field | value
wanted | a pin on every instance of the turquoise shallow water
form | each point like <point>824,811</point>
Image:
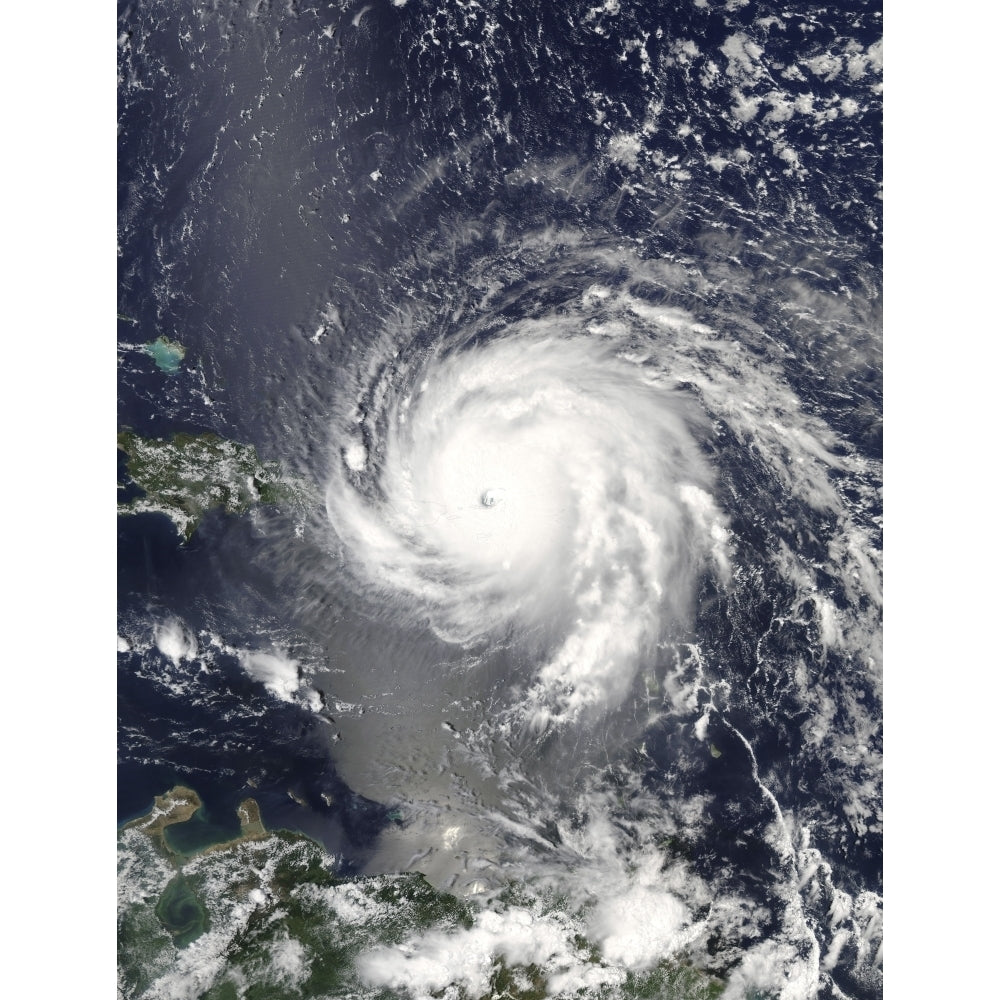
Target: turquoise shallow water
<point>167,354</point>
<point>365,198</point>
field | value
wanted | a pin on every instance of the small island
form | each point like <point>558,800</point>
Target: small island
<point>168,354</point>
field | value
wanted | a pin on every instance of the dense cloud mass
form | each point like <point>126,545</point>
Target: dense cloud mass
<point>564,322</point>
<point>542,484</point>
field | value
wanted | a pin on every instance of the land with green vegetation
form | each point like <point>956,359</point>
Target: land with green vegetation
<point>187,475</point>
<point>261,908</point>
<point>264,916</point>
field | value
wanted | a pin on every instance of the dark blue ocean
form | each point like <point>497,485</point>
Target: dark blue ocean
<point>322,203</point>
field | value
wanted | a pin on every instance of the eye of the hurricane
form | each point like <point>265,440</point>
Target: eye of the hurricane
<point>534,486</point>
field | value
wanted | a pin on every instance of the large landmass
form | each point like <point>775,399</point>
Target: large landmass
<point>189,474</point>
<point>265,916</point>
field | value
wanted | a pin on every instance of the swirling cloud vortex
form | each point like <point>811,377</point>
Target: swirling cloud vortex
<point>543,487</point>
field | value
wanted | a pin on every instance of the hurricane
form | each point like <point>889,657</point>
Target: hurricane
<point>545,485</point>
<point>507,495</point>
<point>573,483</point>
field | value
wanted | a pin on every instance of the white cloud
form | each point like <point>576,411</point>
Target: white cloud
<point>277,671</point>
<point>625,148</point>
<point>642,926</point>
<point>175,641</point>
<point>429,963</point>
<point>826,66</point>
<point>743,55</point>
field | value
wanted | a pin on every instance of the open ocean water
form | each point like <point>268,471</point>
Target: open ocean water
<point>567,320</point>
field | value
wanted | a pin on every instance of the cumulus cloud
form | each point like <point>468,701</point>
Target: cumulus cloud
<point>175,641</point>
<point>277,671</point>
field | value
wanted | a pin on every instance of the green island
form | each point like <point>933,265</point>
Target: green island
<point>189,474</point>
<point>263,916</point>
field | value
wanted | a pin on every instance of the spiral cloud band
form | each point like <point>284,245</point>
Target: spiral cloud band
<point>557,330</point>
<point>607,482</point>
<point>546,485</point>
